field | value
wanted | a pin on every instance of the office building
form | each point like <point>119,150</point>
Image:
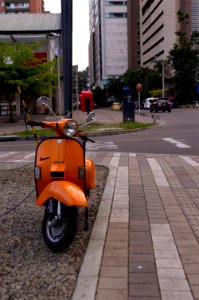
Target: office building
<point>108,53</point>
<point>133,8</point>
<point>159,23</point>
<point>18,6</point>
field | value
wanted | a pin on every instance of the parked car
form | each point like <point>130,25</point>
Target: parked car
<point>148,102</point>
<point>162,104</point>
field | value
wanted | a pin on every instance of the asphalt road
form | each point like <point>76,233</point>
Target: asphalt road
<point>179,134</point>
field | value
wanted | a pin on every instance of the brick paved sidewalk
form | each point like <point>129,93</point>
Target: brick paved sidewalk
<point>145,242</point>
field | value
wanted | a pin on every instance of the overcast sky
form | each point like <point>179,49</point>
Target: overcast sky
<point>80,29</point>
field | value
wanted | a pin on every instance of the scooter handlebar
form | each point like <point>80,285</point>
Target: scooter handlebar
<point>85,138</point>
<point>33,123</point>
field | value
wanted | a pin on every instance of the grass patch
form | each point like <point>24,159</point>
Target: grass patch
<point>41,132</point>
<point>93,127</point>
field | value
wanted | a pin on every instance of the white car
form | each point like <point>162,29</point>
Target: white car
<point>148,101</point>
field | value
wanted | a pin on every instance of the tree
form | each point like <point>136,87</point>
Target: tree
<point>99,96</point>
<point>150,79</point>
<point>20,68</point>
<point>83,80</point>
<point>114,87</point>
<point>184,59</point>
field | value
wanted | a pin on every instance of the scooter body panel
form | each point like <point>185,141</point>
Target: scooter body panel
<point>66,192</point>
<point>60,159</point>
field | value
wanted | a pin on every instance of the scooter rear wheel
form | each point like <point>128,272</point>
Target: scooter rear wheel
<point>60,235</point>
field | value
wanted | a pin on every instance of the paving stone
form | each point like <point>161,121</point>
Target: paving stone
<point>194,279</point>
<point>176,295</point>
<point>144,228</point>
<point>144,298</point>
<point>195,290</point>
<point>111,294</point>
<point>115,252</point>
<point>110,283</point>
<point>173,284</point>
<point>145,289</point>
<point>141,257</point>
<point>143,277</point>
<point>190,258</point>
<point>162,253</point>
<point>115,261</point>
<point>141,249</point>
<point>121,272</point>
<point>191,268</point>
<point>168,263</point>
<point>171,273</point>
<point>116,245</point>
<point>142,267</point>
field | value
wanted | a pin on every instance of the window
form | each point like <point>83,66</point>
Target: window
<point>116,3</point>
<point>115,15</point>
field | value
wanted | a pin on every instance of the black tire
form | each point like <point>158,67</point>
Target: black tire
<point>59,236</point>
<point>169,109</point>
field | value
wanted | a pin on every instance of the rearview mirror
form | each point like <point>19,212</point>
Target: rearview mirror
<point>90,117</point>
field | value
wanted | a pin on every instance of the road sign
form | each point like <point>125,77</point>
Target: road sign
<point>139,87</point>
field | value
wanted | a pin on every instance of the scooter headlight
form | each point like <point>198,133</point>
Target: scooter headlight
<point>70,128</point>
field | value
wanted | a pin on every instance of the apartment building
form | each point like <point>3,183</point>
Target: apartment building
<point>108,53</point>
<point>158,24</point>
<point>19,6</point>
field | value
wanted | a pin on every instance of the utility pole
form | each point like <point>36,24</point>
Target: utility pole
<point>163,79</point>
<point>66,15</point>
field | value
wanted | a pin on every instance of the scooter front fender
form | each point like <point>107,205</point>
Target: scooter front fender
<point>64,191</point>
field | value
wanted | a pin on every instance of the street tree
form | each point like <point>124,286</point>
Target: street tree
<point>150,80</point>
<point>83,80</point>
<point>114,87</point>
<point>184,59</point>
<point>21,71</point>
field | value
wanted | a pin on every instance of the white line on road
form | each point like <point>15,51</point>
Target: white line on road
<point>176,143</point>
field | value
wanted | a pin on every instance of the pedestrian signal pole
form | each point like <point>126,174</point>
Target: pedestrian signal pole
<point>66,15</point>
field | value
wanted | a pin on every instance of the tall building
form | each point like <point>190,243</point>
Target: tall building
<point>108,54</point>
<point>18,6</point>
<point>158,24</point>
<point>133,34</point>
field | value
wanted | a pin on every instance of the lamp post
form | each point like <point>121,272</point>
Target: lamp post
<point>162,78</point>
<point>66,12</point>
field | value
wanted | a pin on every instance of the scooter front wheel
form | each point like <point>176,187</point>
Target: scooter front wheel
<point>58,234</point>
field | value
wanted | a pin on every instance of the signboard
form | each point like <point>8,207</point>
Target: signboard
<point>138,87</point>
<point>128,105</point>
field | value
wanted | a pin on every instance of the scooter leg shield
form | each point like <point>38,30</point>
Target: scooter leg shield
<point>64,191</point>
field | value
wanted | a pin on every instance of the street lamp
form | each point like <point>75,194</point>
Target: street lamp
<point>162,78</point>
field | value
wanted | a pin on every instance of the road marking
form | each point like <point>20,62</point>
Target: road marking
<point>176,143</point>
<point>101,145</point>
<point>158,174</point>
<point>17,157</point>
<point>7,154</point>
<point>189,160</point>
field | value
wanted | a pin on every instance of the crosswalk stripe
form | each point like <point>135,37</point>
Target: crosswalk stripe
<point>176,143</point>
<point>101,145</point>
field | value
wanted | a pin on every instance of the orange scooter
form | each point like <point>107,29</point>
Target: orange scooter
<point>63,179</point>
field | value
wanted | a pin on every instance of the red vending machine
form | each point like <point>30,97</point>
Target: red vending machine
<point>86,99</point>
